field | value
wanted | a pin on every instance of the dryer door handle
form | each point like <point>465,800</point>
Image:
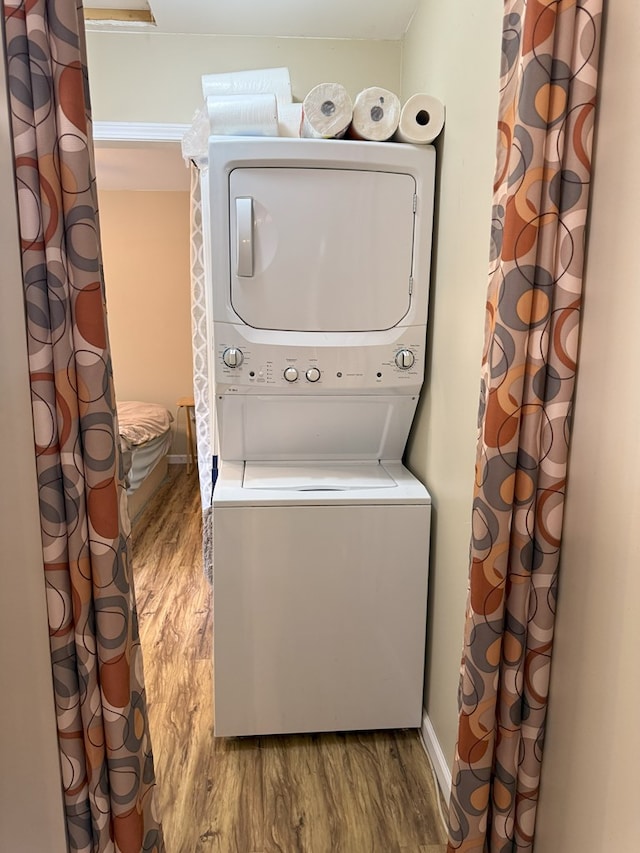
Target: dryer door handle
<point>244,237</point>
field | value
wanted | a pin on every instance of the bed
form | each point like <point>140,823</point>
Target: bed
<point>145,439</point>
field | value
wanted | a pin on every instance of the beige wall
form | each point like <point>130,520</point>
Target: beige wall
<point>589,800</point>
<point>30,786</point>
<point>145,240</point>
<point>452,51</point>
<point>156,78</point>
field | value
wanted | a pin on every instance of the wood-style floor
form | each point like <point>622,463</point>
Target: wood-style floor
<point>353,793</point>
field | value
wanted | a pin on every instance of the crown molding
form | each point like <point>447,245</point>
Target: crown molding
<point>132,131</point>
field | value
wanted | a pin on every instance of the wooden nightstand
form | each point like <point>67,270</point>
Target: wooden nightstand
<point>187,404</point>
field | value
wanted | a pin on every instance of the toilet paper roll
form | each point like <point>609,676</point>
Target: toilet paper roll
<point>242,115</point>
<point>262,81</point>
<point>421,120</point>
<point>376,113</point>
<point>327,111</point>
<point>289,119</point>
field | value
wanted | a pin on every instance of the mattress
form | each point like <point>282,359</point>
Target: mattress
<point>145,457</point>
<point>145,438</point>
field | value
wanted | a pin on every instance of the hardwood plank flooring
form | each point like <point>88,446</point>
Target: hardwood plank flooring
<point>363,792</point>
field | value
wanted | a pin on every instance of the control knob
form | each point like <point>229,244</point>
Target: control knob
<point>405,359</point>
<point>313,374</point>
<point>291,374</point>
<point>232,357</point>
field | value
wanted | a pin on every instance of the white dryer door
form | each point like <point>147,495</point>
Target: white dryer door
<point>321,249</point>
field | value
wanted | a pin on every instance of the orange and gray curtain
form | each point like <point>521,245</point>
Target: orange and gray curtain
<point>105,752</point>
<point>545,130</point>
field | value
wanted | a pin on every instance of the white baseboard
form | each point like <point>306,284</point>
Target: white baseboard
<point>435,753</point>
<point>177,459</point>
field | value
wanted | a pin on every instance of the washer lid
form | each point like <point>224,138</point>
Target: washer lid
<point>316,476</point>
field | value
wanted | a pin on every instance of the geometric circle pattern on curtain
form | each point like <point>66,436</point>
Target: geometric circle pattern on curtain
<point>545,129</point>
<point>105,751</point>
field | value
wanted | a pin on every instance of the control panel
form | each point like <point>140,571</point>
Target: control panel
<point>242,365</point>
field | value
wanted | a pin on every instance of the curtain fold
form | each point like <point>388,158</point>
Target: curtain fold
<point>545,128</point>
<point>201,338</point>
<point>105,751</point>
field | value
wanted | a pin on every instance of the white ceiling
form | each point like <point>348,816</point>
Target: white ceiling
<point>356,19</point>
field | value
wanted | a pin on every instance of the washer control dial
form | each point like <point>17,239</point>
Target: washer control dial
<point>233,357</point>
<point>313,374</point>
<point>291,374</point>
<point>405,359</point>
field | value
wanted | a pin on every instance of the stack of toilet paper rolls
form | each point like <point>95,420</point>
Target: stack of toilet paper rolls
<point>246,103</point>
<point>259,103</point>
<point>376,115</point>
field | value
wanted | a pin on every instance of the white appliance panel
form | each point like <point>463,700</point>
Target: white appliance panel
<point>320,276</point>
<point>358,362</point>
<point>385,188</point>
<point>316,476</point>
<point>269,428</point>
<point>328,250</point>
<point>233,490</point>
<point>323,629</point>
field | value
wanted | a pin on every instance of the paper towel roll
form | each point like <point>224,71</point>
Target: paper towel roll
<point>242,115</point>
<point>259,82</point>
<point>327,111</point>
<point>421,120</point>
<point>376,113</point>
<point>289,119</point>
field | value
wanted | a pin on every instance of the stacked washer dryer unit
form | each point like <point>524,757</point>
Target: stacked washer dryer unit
<point>320,270</point>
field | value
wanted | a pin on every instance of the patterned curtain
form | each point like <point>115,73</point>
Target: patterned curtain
<point>201,345</point>
<point>105,752</point>
<point>546,117</point>
<point>200,340</point>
